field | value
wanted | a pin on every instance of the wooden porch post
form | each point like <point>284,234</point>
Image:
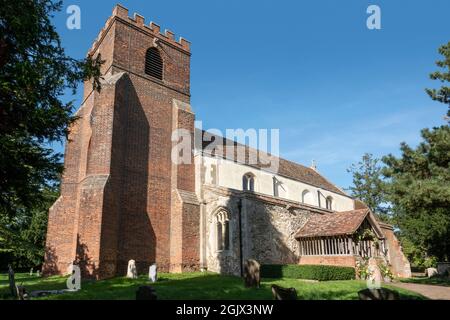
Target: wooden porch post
<point>350,245</point>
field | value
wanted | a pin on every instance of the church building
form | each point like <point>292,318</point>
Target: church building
<point>122,196</point>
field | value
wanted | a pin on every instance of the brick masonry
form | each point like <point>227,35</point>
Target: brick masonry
<point>347,261</point>
<point>120,195</point>
<point>400,266</point>
<point>123,198</point>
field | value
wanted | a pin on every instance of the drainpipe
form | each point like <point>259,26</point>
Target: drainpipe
<point>241,261</point>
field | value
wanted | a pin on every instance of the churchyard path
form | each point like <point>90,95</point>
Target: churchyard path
<point>430,291</point>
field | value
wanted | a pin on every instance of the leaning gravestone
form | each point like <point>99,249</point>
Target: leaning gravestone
<point>22,293</point>
<point>375,277</point>
<point>131,272</point>
<point>12,281</point>
<point>153,273</point>
<point>252,278</point>
<point>378,294</point>
<point>146,293</point>
<point>280,293</point>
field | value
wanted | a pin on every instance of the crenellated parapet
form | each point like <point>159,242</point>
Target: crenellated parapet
<point>138,21</point>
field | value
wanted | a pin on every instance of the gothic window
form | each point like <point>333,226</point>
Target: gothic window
<point>222,230</point>
<point>329,203</point>
<point>153,63</point>
<point>307,197</point>
<point>226,235</point>
<point>220,241</point>
<point>248,182</point>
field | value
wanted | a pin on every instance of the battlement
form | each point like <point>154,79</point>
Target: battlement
<point>138,21</point>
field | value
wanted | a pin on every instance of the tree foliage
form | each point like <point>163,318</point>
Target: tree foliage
<point>368,185</point>
<point>443,93</point>
<point>22,236</point>
<point>419,190</point>
<point>35,72</point>
<point>419,187</point>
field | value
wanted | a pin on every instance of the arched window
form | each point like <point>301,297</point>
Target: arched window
<point>248,182</point>
<point>153,63</point>
<point>222,221</point>
<point>219,230</point>
<point>329,203</point>
<point>226,235</point>
<point>307,197</point>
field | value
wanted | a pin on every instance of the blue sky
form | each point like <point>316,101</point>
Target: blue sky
<point>334,88</point>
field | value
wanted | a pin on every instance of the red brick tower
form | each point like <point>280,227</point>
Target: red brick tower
<point>122,197</point>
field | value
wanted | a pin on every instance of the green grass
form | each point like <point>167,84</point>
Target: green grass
<point>188,286</point>
<point>437,281</point>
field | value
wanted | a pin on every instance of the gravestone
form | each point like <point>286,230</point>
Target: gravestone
<point>375,277</point>
<point>280,293</point>
<point>132,272</point>
<point>153,273</point>
<point>12,281</point>
<point>145,293</point>
<point>252,278</point>
<point>443,268</point>
<point>431,272</point>
<point>74,281</point>
<point>38,274</point>
<point>31,271</point>
<point>22,293</point>
<point>378,294</point>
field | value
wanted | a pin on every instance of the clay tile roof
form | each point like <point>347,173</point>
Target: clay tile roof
<point>286,168</point>
<point>333,224</point>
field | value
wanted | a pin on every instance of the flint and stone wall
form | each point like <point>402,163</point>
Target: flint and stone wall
<point>268,229</point>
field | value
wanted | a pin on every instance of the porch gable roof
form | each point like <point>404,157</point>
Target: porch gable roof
<point>338,224</point>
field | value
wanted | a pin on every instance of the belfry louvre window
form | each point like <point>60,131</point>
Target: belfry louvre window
<point>154,63</point>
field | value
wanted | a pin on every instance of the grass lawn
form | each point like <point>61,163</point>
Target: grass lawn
<point>196,285</point>
<point>438,281</point>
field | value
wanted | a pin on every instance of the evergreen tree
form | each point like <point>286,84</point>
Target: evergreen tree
<point>34,74</point>
<point>368,185</point>
<point>22,236</point>
<point>419,190</point>
<point>443,93</point>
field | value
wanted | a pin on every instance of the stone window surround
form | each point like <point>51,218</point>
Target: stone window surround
<point>222,222</point>
<point>248,182</point>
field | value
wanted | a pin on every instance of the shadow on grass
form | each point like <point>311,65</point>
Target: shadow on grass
<point>435,281</point>
<point>18,279</point>
<point>203,286</point>
<point>32,283</point>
